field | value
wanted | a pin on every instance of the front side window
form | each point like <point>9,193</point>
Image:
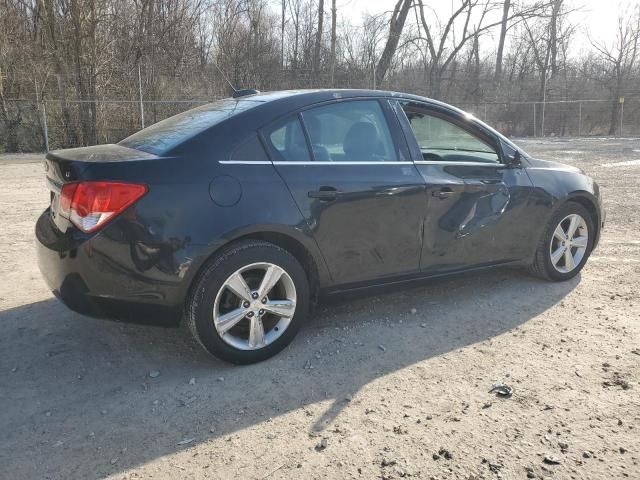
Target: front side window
<point>441,140</point>
<point>352,131</point>
<point>287,141</point>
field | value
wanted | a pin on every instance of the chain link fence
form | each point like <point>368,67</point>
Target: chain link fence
<point>38,126</point>
<point>560,118</point>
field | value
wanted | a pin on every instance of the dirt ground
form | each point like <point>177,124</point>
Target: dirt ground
<point>367,390</point>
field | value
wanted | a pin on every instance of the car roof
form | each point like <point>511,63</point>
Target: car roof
<point>319,95</point>
<point>277,103</point>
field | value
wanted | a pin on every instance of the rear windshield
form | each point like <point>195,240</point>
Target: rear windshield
<point>163,136</point>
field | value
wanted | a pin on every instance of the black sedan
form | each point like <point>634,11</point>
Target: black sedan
<point>240,214</point>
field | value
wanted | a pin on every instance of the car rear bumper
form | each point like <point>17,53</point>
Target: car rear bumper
<point>97,276</point>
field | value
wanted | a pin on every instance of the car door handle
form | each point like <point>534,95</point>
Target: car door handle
<point>443,193</point>
<point>325,193</point>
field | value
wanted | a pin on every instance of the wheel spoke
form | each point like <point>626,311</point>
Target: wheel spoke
<point>569,264</point>
<point>256,333</point>
<point>557,255</point>
<point>238,286</point>
<point>229,320</point>
<point>573,225</point>
<point>559,233</point>
<point>282,308</point>
<point>271,277</point>
<point>243,301</point>
<point>580,242</point>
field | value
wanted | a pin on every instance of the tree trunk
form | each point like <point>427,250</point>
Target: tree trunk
<point>318,42</point>
<point>334,14</point>
<point>69,136</point>
<point>553,36</point>
<point>613,122</point>
<point>435,83</point>
<point>81,89</point>
<point>396,25</point>
<point>615,105</point>
<point>282,33</point>
<point>501,40</point>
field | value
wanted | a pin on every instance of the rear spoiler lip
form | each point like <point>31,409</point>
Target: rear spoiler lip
<point>100,153</point>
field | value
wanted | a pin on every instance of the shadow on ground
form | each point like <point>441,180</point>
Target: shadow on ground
<point>74,387</point>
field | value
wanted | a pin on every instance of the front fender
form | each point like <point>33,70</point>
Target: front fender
<point>555,184</point>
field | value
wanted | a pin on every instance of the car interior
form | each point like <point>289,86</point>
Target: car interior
<point>342,132</point>
<point>442,141</point>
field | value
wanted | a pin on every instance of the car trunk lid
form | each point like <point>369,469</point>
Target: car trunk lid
<point>70,165</point>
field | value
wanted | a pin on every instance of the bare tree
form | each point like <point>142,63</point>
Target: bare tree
<point>75,54</point>
<point>504,23</point>
<point>334,14</point>
<point>318,43</point>
<point>396,25</point>
<point>618,60</point>
<point>469,19</point>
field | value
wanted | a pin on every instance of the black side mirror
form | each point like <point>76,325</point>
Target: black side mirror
<point>516,159</point>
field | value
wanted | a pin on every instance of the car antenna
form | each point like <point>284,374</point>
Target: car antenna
<point>237,93</point>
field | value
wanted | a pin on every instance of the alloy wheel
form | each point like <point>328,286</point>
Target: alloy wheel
<point>569,243</point>
<point>255,306</point>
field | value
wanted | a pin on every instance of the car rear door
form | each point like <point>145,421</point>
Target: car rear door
<point>347,166</point>
<point>477,203</point>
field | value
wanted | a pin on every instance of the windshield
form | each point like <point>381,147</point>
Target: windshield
<point>161,137</point>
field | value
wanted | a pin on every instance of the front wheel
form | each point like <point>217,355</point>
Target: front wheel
<point>566,243</point>
<point>249,302</point>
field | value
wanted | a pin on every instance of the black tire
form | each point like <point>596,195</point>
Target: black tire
<point>200,304</point>
<point>542,265</point>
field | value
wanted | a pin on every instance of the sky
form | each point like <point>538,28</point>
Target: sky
<point>596,19</point>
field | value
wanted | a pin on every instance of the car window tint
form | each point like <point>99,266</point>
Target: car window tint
<point>250,150</point>
<point>442,140</point>
<point>288,141</point>
<point>163,136</point>
<point>354,131</point>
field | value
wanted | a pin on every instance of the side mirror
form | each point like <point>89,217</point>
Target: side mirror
<point>516,159</point>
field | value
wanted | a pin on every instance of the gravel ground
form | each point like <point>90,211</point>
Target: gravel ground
<point>371,388</point>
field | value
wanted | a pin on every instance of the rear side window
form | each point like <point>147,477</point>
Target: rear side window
<point>351,131</point>
<point>250,150</point>
<point>163,136</point>
<point>287,141</point>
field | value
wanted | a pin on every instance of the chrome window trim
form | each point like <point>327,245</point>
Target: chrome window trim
<point>473,164</point>
<point>244,162</point>
<point>417,162</point>
<point>283,162</point>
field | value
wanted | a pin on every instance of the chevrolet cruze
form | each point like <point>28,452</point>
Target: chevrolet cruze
<point>239,215</point>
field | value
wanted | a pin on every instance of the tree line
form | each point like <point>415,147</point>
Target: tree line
<point>79,53</point>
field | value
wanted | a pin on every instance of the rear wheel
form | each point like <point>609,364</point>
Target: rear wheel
<point>566,243</point>
<point>249,302</point>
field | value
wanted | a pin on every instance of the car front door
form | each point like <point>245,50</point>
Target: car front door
<point>348,168</point>
<point>477,203</point>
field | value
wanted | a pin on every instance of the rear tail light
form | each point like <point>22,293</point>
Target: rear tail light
<point>88,205</point>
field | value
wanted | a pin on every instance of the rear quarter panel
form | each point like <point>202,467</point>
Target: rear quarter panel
<point>171,231</point>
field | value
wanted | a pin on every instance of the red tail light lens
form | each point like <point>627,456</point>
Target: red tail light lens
<point>90,204</point>
<point>66,196</point>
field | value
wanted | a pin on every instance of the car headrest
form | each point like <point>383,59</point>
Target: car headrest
<point>361,141</point>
